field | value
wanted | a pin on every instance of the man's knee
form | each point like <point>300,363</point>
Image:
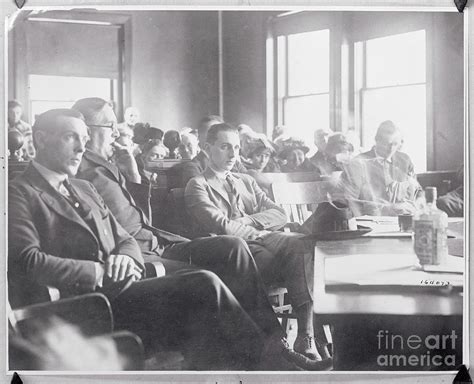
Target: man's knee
<point>206,280</point>
<point>234,243</point>
<point>236,248</point>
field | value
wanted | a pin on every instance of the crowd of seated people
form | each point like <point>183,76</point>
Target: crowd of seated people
<point>79,220</point>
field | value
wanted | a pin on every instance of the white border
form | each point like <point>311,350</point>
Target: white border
<point>347,5</point>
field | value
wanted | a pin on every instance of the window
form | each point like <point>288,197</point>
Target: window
<point>390,75</point>
<point>303,82</point>
<point>47,92</point>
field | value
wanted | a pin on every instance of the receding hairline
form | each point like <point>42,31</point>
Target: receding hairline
<point>215,129</point>
<point>386,128</point>
<point>90,107</point>
<point>49,120</point>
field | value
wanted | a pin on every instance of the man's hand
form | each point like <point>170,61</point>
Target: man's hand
<point>118,267</point>
<point>262,234</point>
<point>127,164</point>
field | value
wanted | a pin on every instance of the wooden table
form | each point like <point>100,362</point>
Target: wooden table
<point>366,318</point>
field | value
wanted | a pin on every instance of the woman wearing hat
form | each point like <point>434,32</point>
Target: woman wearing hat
<point>260,156</point>
<point>293,155</point>
<point>337,153</point>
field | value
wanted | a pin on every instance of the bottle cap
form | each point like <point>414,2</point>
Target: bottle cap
<point>430,194</point>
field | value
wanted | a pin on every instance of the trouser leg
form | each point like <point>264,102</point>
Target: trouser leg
<point>194,311</point>
<point>229,257</point>
<point>293,260</point>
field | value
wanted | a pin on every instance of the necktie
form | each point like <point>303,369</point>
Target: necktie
<point>234,198</point>
<point>81,207</point>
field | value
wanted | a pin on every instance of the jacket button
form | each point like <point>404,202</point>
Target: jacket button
<point>105,232</point>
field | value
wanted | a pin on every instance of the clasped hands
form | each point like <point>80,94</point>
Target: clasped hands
<point>118,267</point>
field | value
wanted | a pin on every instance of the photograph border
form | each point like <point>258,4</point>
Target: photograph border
<point>8,8</point>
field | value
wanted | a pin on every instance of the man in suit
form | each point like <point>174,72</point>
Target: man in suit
<point>199,163</point>
<point>226,203</point>
<point>381,181</point>
<point>227,256</point>
<point>62,234</point>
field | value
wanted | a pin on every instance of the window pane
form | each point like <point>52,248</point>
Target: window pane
<point>406,107</point>
<point>38,107</point>
<point>303,115</point>
<point>396,60</point>
<point>65,88</point>
<point>308,62</point>
<point>281,66</point>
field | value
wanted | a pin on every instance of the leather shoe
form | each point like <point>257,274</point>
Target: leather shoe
<point>307,347</point>
<point>278,356</point>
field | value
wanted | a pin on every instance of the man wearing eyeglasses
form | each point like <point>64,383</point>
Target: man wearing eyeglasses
<point>119,185</point>
<point>61,234</point>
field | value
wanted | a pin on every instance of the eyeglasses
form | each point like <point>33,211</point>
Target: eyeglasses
<point>112,126</point>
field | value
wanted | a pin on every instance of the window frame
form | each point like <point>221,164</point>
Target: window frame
<point>359,75</point>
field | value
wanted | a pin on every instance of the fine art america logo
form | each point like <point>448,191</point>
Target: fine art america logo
<point>415,351</point>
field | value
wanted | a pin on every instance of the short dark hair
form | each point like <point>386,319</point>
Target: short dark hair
<point>338,143</point>
<point>208,119</point>
<point>48,119</point>
<point>13,104</point>
<point>90,106</point>
<point>387,127</point>
<point>216,128</point>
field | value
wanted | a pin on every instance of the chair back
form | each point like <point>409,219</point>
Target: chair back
<point>16,168</point>
<point>179,219</point>
<point>266,179</point>
<point>444,181</point>
<point>300,200</point>
<point>91,312</point>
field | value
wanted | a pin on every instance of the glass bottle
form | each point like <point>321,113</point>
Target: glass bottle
<point>430,226</point>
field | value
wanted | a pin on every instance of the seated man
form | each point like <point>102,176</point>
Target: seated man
<point>227,256</point>
<point>381,181</point>
<point>226,203</point>
<point>199,163</point>
<point>61,234</point>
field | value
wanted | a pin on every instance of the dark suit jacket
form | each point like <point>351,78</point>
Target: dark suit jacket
<point>50,244</point>
<point>122,199</point>
<point>197,166</point>
<point>207,201</point>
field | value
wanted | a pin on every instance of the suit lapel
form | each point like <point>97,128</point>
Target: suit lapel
<point>112,169</point>
<point>117,176</point>
<point>216,185</point>
<point>54,200</point>
<point>98,160</point>
<point>244,194</point>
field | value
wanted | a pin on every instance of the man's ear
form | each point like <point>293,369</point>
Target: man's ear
<point>39,140</point>
<point>207,147</point>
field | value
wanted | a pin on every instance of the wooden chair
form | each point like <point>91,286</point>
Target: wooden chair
<point>444,181</point>
<point>91,313</point>
<point>16,168</point>
<point>179,219</point>
<point>265,180</point>
<point>299,200</point>
<point>275,293</point>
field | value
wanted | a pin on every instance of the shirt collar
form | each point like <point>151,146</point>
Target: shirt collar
<point>55,179</point>
<point>220,175</point>
<point>382,159</point>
